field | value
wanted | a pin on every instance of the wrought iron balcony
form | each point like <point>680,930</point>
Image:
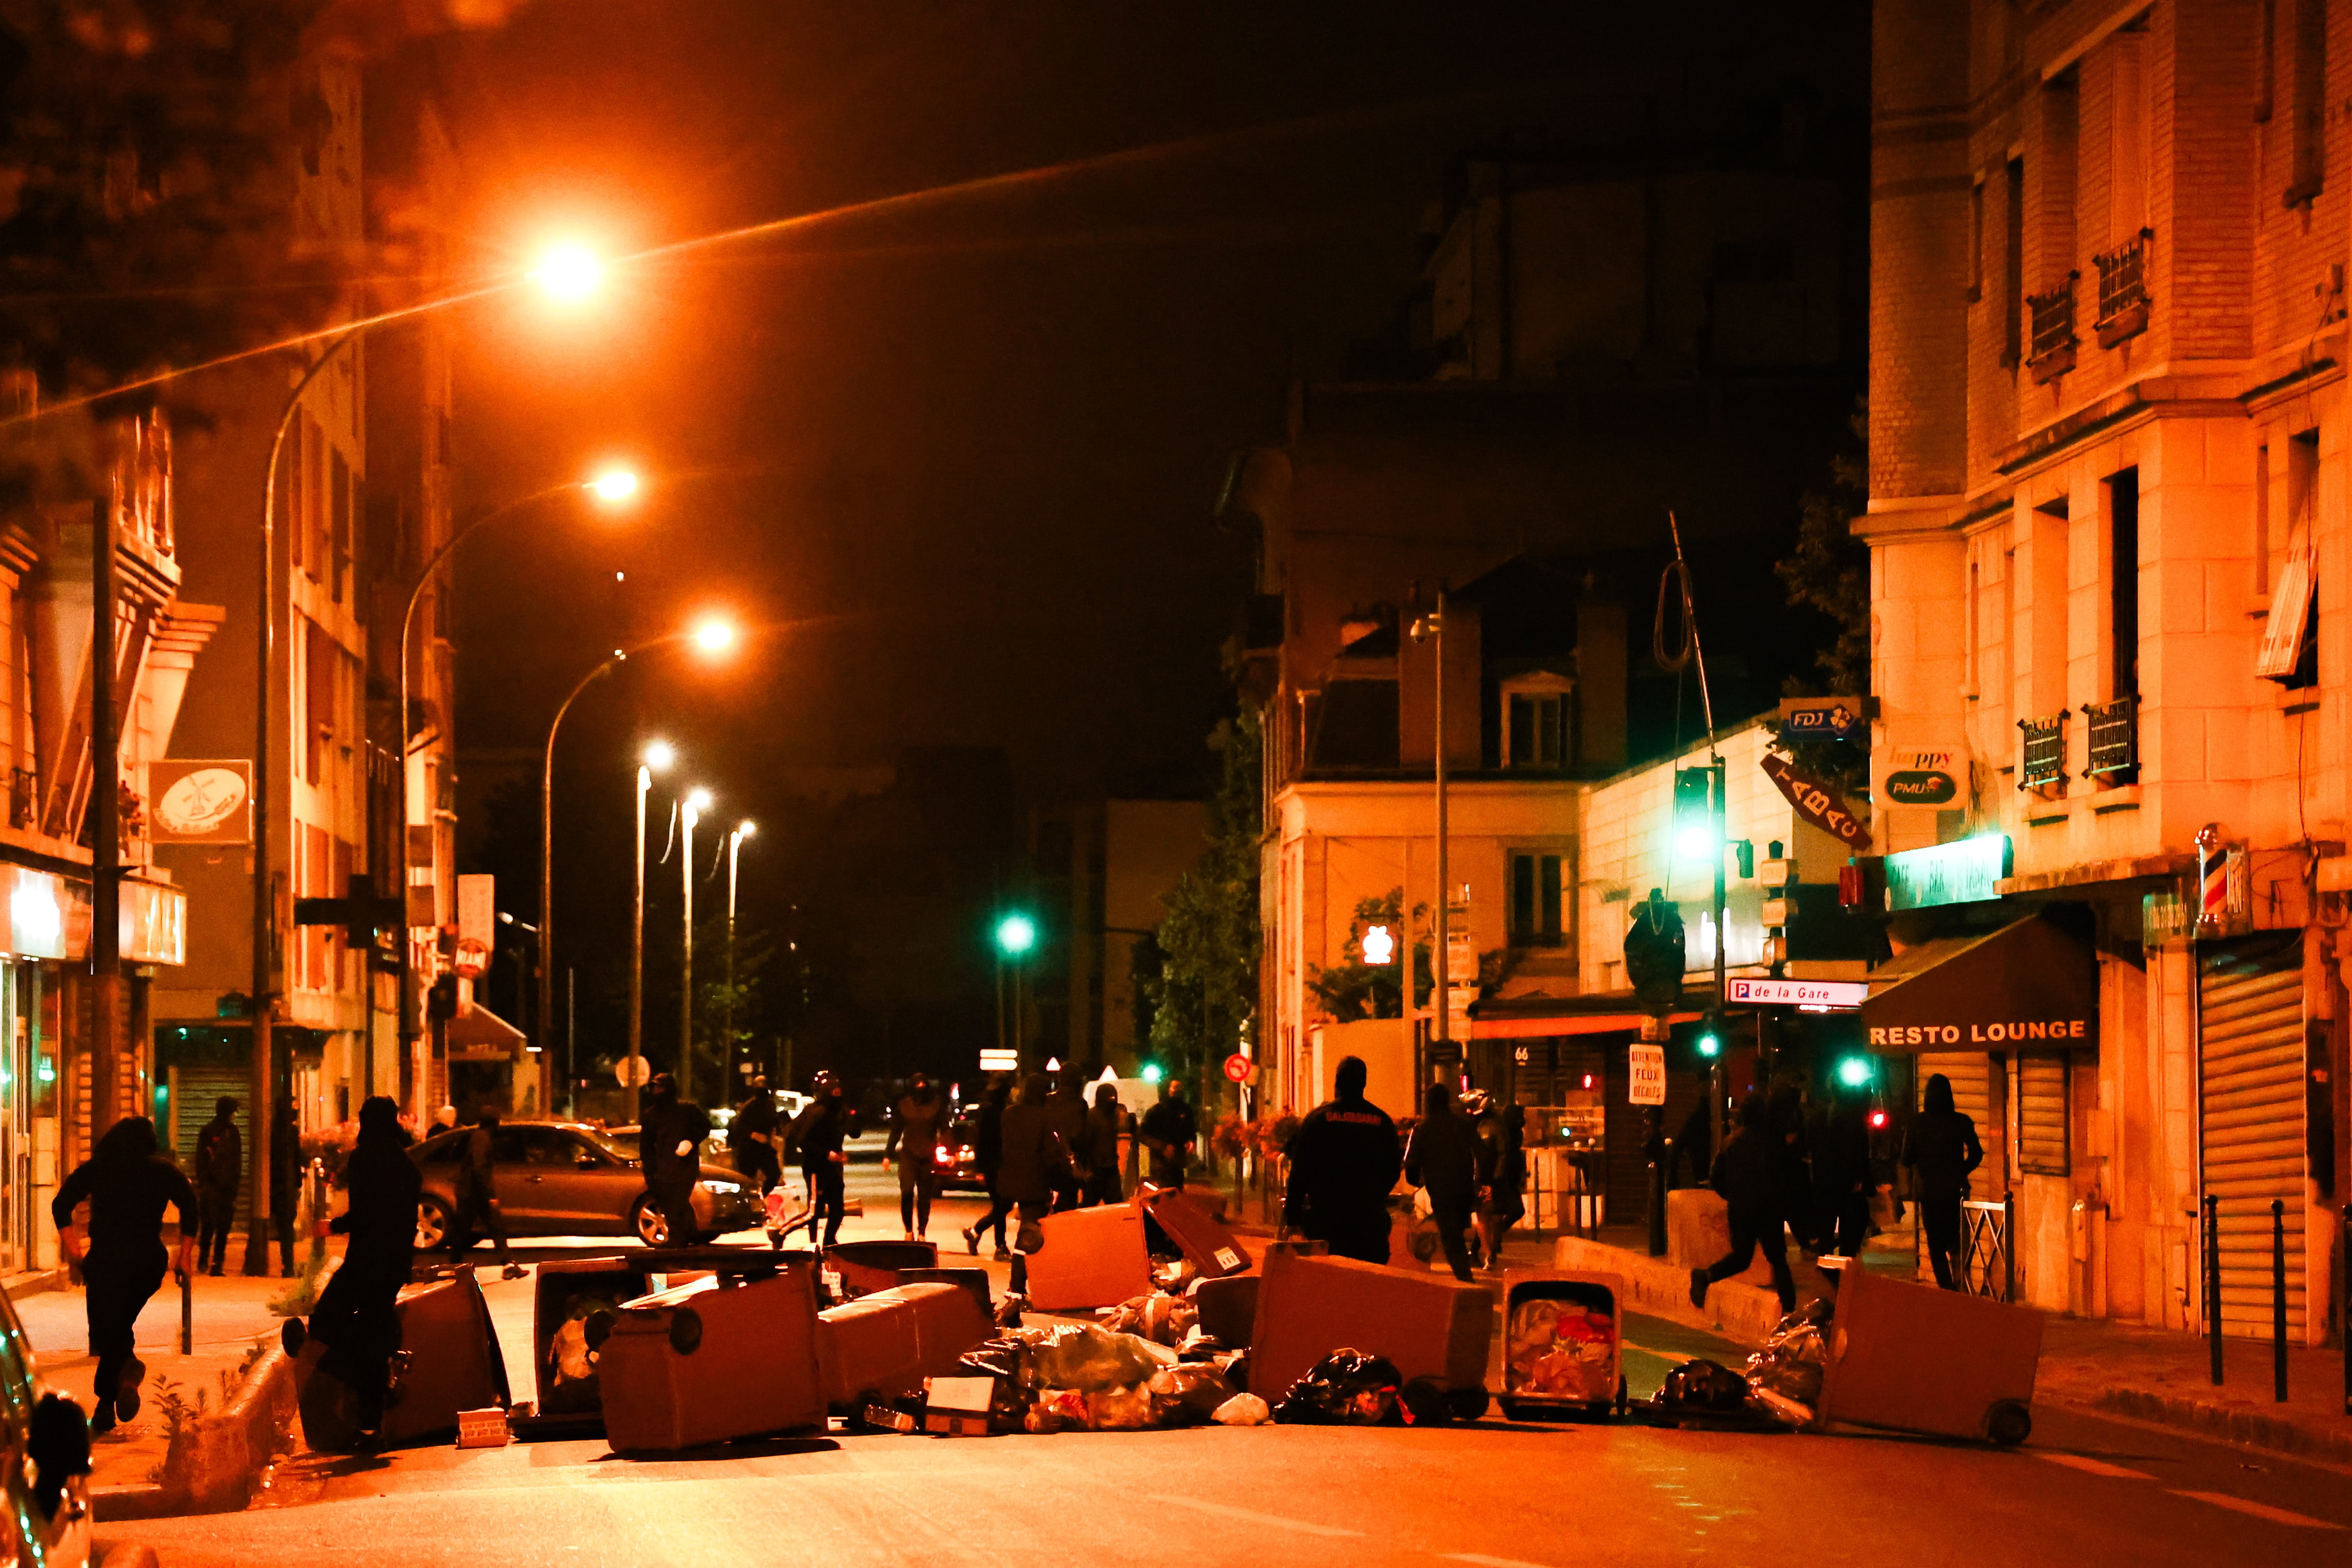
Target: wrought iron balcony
<point>2051,344</point>
<point>2042,763</point>
<point>2114,740</point>
<point>2123,290</point>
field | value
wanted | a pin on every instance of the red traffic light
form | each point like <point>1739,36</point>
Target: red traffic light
<point>1877,1120</point>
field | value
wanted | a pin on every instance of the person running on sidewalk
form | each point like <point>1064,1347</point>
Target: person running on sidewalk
<point>220,1167</point>
<point>1444,1158</point>
<point>823,1163</point>
<point>915,1136</point>
<point>1748,1175</point>
<point>1169,1129</point>
<point>127,1183</point>
<point>1941,1149</point>
<point>1100,1147</point>
<point>1344,1158</point>
<point>355,1319</point>
<point>751,1138</point>
<point>669,1148</point>
<point>988,1154</point>
<point>477,1189</point>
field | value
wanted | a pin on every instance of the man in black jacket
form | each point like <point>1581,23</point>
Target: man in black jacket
<point>1444,1158</point>
<point>988,1154</point>
<point>1100,1146</point>
<point>669,1148</point>
<point>1168,1131</point>
<point>220,1165</point>
<point>127,1183</point>
<point>1344,1158</point>
<point>477,1192</point>
<point>751,1135</point>
<point>355,1319</point>
<point>1751,1176</point>
<point>1035,1164</point>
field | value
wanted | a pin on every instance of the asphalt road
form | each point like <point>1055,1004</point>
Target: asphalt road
<point>2083,1489</point>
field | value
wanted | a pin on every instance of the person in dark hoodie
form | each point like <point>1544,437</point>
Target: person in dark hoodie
<point>1444,1158</point>
<point>669,1147</point>
<point>988,1154</point>
<point>127,1183</point>
<point>1066,1108</point>
<point>1842,1176</point>
<point>823,1163</point>
<point>1100,1147</point>
<point>1750,1174</point>
<point>355,1318</point>
<point>220,1170</point>
<point>477,1189</point>
<point>1942,1150</point>
<point>1034,1165</point>
<point>1344,1158</point>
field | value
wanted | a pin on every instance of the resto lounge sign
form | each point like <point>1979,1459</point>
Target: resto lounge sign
<point>2030,985</point>
<point>1989,1036</point>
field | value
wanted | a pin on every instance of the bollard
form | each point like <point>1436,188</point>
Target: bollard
<point>2278,1301</point>
<point>2344,1251</point>
<point>1658,1198</point>
<point>2008,1246</point>
<point>2213,1281</point>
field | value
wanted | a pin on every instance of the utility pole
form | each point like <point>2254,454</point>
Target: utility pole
<point>1432,628</point>
<point>689,814</point>
<point>105,837</point>
<point>638,955</point>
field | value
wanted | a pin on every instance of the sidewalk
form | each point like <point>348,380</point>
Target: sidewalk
<point>2146,1374</point>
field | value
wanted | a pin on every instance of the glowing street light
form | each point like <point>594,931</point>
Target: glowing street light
<point>569,273</point>
<point>614,485</point>
<point>1016,934</point>
<point>697,801</point>
<point>660,756</point>
<point>714,635</point>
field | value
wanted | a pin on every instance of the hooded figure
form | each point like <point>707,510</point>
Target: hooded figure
<point>1344,1157</point>
<point>1099,1147</point>
<point>127,1183</point>
<point>1942,1150</point>
<point>220,1168</point>
<point>915,1136</point>
<point>1750,1175</point>
<point>1034,1162</point>
<point>354,1318</point>
<point>670,1146</point>
<point>477,1192</point>
<point>1442,1159</point>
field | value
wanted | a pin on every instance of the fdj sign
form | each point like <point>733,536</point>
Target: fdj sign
<point>1820,718</point>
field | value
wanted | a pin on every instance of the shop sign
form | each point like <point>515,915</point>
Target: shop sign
<point>37,914</point>
<point>1817,802</point>
<point>1921,786</point>
<point>1968,871</point>
<point>1822,718</point>
<point>200,802</point>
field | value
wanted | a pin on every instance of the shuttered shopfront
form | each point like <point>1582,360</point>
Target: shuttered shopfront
<point>2042,1132</point>
<point>2251,1105</point>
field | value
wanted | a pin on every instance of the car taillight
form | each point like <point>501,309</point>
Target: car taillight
<point>942,1156</point>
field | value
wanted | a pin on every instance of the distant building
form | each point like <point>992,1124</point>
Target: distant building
<point>2108,569</point>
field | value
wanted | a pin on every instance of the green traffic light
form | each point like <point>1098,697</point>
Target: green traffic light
<point>1151,1073</point>
<point>1855,1072</point>
<point>1709,1047</point>
<point>1016,934</point>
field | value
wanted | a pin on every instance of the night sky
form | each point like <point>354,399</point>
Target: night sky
<point>961,454</point>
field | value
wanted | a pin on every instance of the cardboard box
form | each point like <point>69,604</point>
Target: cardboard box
<point>1092,1257</point>
<point>1430,1325</point>
<point>957,1407</point>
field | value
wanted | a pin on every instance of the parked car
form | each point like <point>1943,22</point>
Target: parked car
<point>964,1174</point>
<point>564,1178</point>
<point>63,1531</point>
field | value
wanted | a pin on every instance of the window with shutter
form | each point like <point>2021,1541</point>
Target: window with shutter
<point>2042,1135</point>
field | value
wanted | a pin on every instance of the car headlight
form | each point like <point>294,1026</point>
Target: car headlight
<point>722,1189</point>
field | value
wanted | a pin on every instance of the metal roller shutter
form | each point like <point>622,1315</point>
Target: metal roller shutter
<point>1977,1093</point>
<point>2250,1103</point>
<point>2041,1140</point>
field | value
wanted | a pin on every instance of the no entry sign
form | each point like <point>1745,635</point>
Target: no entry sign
<point>1240,1069</point>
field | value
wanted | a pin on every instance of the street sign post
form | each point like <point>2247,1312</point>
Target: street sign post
<point>994,1060</point>
<point>1646,1080</point>
<point>633,1072</point>
<point>1240,1069</point>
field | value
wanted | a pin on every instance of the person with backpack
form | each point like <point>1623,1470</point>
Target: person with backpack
<point>1749,1173</point>
<point>220,1167</point>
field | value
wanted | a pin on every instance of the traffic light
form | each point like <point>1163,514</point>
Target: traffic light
<point>1710,1037</point>
<point>1015,934</point>
<point>1653,952</point>
<point>1697,834</point>
<point>1855,1072</point>
<point>1152,1073</point>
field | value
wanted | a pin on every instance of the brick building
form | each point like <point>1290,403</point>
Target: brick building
<point>2106,522</point>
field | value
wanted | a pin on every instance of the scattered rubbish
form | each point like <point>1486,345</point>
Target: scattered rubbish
<point>1562,1349</point>
<point>1242,1410</point>
<point>1346,1388</point>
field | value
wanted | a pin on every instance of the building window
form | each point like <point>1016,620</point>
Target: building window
<point>1537,715</point>
<point>2123,584</point>
<point>2123,290</point>
<point>2012,266</point>
<point>1353,723</point>
<point>339,527</point>
<point>2308,122</point>
<point>1535,899</point>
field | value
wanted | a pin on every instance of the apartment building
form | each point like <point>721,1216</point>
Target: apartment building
<point>2108,530</point>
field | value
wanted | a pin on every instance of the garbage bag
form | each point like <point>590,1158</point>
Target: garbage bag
<point>1058,1410</point>
<point>1794,1359</point>
<point>1242,1410</point>
<point>1121,1409</point>
<point>1123,1318</point>
<point>1083,1356</point>
<point>1780,1408</point>
<point>1188,1395</point>
<point>999,1357</point>
<point>1702,1386</point>
<point>1346,1388</point>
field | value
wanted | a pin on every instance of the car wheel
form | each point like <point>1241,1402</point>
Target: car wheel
<point>432,1224</point>
<point>651,1226</point>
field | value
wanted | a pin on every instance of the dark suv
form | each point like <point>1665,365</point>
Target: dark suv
<point>564,1178</point>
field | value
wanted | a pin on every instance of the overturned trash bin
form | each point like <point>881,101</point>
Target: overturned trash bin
<point>1912,1358</point>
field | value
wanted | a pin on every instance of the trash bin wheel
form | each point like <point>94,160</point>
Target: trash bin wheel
<point>1426,1402</point>
<point>2008,1423</point>
<point>1510,1409</point>
<point>1469,1403</point>
<point>1623,1403</point>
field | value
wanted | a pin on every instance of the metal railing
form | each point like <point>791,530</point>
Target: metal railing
<point>2123,290</point>
<point>2041,760</point>
<point>2114,739</point>
<point>1988,1260</point>
<point>2051,340</point>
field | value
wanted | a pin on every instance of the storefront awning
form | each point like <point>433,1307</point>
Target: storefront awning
<point>2028,987</point>
<point>479,1034</point>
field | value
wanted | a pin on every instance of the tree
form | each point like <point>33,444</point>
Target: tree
<point>1829,571</point>
<point>1207,990</point>
<point>715,1003</point>
<point>1354,990</point>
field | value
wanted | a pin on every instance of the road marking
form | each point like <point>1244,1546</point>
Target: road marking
<point>1254,1518</point>
<point>2091,1467</point>
<point>2261,1510</point>
<point>1487,1561</point>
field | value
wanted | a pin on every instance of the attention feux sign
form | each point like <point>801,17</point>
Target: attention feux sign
<point>1817,803</point>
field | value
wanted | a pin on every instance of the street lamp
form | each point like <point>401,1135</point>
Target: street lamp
<point>569,272</point>
<point>743,830</point>
<point>657,756</point>
<point>1431,628</point>
<point>689,811</point>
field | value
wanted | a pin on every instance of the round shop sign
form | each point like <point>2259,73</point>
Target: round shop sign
<point>199,805</point>
<point>1921,786</point>
<point>1240,1069</point>
<point>633,1072</point>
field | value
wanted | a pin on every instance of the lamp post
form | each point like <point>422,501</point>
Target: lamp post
<point>689,811</point>
<point>734,853</point>
<point>1432,628</point>
<point>657,758</point>
<point>1015,935</point>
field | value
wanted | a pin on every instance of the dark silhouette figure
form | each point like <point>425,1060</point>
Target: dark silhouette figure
<point>127,1183</point>
<point>1942,1151</point>
<point>220,1169</point>
<point>1344,1158</point>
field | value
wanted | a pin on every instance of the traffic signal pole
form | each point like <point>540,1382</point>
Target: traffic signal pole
<point>1722,847</point>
